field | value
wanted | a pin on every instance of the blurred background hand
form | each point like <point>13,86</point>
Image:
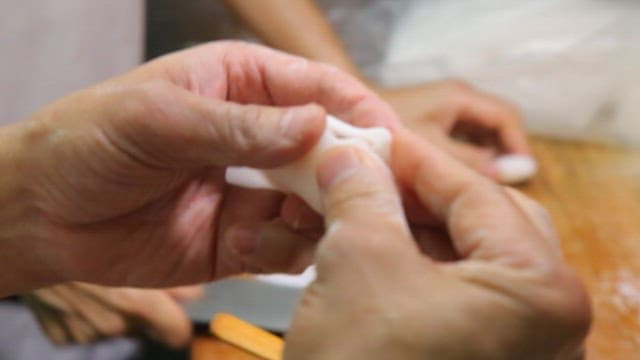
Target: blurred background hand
<point>472,126</point>
<point>82,313</point>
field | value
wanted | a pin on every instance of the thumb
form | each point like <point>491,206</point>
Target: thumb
<point>172,127</point>
<point>364,215</point>
<point>264,136</point>
<point>357,187</point>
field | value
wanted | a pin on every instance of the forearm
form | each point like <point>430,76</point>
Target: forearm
<point>20,267</point>
<point>298,27</point>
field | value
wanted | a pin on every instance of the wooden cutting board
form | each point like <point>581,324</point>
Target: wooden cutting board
<point>210,348</point>
<point>593,194</point>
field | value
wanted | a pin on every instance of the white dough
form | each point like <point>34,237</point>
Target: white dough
<point>299,177</point>
<point>300,281</point>
<point>513,169</point>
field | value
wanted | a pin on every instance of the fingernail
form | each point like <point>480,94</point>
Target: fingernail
<point>296,121</point>
<point>515,168</point>
<point>338,165</point>
<point>243,240</point>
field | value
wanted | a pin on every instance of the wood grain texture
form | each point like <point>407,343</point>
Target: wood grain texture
<point>593,194</point>
<point>211,348</point>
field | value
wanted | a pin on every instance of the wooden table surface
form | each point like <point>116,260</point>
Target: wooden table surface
<point>593,194</point>
<point>210,348</point>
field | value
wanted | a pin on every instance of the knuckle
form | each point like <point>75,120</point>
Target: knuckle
<point>114,326</point>
<point>473,194</point>
<point>533,208</point>
<point>255,128</point>
<point>147,100</point>
<point>367,201</point>
<point>512,113</point>
<point>239,128</point>
<point>363,238</point>
<point>569,311</point>
<point>343,201</point>
<point>130,302</point>
<point>234,50</point>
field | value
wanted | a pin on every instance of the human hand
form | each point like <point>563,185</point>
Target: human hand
<point>81,313</point>
<point>470,125</point>
<point>505,294</point>
<point>123,183</point>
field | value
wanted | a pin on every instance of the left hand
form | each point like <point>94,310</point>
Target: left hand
<point>442,110</point>
<point>81,313</point>
<point>131,171</point>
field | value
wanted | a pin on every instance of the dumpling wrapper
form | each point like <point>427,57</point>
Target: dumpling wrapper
<point>299,177</point>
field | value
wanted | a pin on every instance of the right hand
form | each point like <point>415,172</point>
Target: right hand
<point>506,295</point>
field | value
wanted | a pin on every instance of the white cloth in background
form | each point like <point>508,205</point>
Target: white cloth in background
<point>51,48</point>
<point>571,65</point>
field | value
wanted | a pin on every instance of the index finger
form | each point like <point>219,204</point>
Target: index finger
<point>483,221</point>
<point>248,73</point>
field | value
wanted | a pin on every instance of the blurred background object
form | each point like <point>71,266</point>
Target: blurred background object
<point>49,49</point>
<point>569,65</point>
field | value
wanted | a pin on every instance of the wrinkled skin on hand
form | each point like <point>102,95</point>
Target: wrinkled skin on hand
<point>496,288</point>
<point>123,183</point>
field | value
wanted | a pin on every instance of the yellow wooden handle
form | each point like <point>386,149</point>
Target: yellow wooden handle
<point>247,336</point>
